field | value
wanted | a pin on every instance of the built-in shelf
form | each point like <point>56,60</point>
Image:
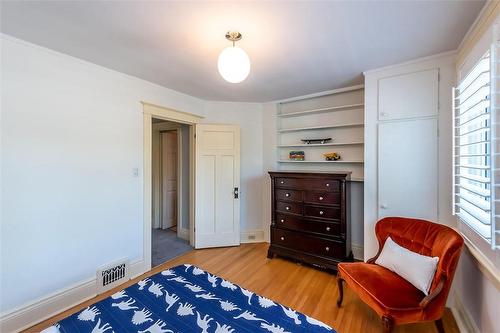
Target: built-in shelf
<point>321,110</point>
<point>331,162</point>
<point>319,127</point>
<point>321,144</point>
<point>336,114</point>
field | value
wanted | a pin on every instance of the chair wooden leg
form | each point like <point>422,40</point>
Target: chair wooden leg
<point>439,325</point>
<point>341,292</point>
<point>388,324</point>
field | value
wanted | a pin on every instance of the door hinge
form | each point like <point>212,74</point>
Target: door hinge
<point>236,193</point>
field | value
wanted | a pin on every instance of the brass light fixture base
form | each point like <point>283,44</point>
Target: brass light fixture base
<point>233,36</point>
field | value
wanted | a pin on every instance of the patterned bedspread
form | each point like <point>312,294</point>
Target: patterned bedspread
<point>187,299</point>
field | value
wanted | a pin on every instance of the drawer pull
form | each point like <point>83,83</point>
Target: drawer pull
<point>282,182</point>
<point>327,248</point>
<point>327,185</point>
<point>287,207</point>
<point>321,212</point>
<point>287,195</point>
<point>282,238</point>
<point>282,221</point>
<point>327,228</point>
<point>320,198</point>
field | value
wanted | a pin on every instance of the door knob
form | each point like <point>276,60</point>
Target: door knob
<point>327,248</point>
<point>320,198</point>
<point>321,212</point>
<point>283,238</point>
<point>287,207</point>
<point>282,221</point>
<point>327,185</point>
<point>287,195</point>
<point>327,228</point>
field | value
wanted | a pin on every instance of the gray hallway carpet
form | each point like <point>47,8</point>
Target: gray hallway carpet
<point>166,246</point>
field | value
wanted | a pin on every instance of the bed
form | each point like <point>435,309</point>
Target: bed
<point>187,299</point>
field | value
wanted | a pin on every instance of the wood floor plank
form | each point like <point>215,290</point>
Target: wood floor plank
<point>308,290</point>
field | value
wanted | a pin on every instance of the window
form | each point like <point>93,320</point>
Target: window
<point>474,150</point>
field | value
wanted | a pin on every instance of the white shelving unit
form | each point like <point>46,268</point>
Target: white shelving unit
<point>319,127</point>
<point>336,114</point>
<point>329,162</point>
<point>321,110</point>
<point>312,145</point>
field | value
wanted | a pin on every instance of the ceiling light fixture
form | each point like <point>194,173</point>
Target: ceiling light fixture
<point>233,63</point>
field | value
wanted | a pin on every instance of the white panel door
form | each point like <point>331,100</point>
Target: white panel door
<point>217,208</point>
<point>409,95</point>
<point>169,161</point>
<point>408,169</point>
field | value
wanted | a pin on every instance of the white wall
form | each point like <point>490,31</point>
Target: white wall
<point>270,162</point>
<point>446,66</point>
<point>71,134</point>
<point>476,295</point>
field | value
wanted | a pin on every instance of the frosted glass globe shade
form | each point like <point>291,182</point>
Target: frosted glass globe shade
<point>233,64</point>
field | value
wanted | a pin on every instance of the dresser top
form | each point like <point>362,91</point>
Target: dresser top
<point>344,174</point>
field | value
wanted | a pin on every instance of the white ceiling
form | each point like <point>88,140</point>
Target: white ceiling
<point>296,48</point>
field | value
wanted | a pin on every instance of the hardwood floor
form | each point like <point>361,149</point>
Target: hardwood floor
<point>305,289</point>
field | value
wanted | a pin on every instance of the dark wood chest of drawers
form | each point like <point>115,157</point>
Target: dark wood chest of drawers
<point>309,217</point>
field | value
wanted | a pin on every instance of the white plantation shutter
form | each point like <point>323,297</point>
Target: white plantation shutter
<point>495,142</point>
<point>475,148</point>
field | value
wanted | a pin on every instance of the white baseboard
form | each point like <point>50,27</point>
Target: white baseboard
<point>27,315</point>
<point>462,318</point>
<point>252,236</point>
<point>357,251</point>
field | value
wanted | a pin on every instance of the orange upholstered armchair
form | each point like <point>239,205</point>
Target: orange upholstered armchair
<point>393,298</point>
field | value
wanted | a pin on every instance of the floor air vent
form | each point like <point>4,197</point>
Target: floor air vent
<point>112,275</point>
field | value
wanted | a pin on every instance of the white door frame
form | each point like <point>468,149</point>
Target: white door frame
<point>151,111</point>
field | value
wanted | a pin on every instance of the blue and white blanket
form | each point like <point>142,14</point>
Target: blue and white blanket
<point>187,299</point>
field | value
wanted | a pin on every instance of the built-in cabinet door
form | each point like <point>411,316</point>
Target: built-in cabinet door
<point>408,168</point>
<point>409,95</point>
<point>217,206</point>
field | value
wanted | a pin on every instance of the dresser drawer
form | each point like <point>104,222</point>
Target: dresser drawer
<point>322,212</point>
<point>291,195</point>
<point>289,207</point>
<point>289,183</point>
<point>301,224</point>
<point>307,243</point>
<point>323,198</point>
<point>330,185</point>
<point>319,184</point>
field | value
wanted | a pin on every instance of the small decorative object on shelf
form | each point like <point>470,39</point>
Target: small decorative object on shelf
<point>297,155</point>
<point>332,156</point>
<point>310,141</point>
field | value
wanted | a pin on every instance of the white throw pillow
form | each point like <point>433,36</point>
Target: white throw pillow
<point>415,268</point>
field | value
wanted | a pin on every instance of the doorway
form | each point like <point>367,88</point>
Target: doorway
<point>170,236</point>
<point>213,220</point>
